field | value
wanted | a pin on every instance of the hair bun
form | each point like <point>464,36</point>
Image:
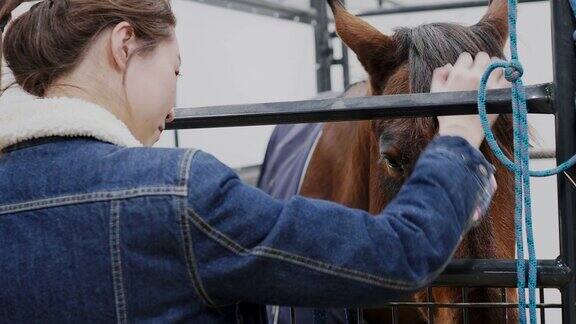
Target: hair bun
<point>6,8</point>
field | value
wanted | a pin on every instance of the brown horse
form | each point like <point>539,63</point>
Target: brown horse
<point>363,164</point>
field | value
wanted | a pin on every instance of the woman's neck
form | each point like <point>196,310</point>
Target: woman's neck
<point>94,91</point>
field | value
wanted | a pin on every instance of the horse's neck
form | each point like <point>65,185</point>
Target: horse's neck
<point>339,169</point>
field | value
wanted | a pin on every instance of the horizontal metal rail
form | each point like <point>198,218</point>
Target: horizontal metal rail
<point>265,8</point>
<point>429,7</point>
<point>362,108</point>
<point>537,154</point>
<point>501,273</point>
<point>467,305</point>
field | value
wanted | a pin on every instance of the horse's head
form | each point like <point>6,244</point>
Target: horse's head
<point>403,63</point>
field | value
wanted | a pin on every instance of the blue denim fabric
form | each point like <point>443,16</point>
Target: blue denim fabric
<point>90,231</point>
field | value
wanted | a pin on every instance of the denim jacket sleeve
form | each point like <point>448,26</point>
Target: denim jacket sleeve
<point>247,246</point>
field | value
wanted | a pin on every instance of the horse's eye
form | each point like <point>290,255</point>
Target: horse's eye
<point>392,163</point>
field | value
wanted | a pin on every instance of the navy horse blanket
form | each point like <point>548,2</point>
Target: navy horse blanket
<point>287,156</point>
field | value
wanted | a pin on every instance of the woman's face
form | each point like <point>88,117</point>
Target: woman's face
<point>150,83</point>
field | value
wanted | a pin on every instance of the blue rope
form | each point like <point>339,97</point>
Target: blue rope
<point>520,166</point>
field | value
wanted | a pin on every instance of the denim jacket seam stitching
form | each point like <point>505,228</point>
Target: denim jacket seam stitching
<point>187,243</point>
<point>185,167</point>
<point>190,260</point>
<point>91,197</point>
<point>116,264</point>
<point>301,260</point>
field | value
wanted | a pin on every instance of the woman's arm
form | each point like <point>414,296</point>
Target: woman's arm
<point>303,252</point>
<point>250,247</point>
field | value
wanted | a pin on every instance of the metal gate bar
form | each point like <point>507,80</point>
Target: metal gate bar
<point>362,108</point>
<point>428,7</point>
<point>564,65</point>
<point>323,45</point>
<point>265,8</point>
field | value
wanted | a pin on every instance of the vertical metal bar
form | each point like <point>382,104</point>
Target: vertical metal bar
<point>323,47</point>
<point>176,135</point>
<point>542,310</point>
<point>564,63</point>
<point>342,61</point>
<point>504,299</point>
<point>430,310</point>
<point>292,316</point>
<point>176,138</point>
<point>345,63</point>
<point>345,66</point>
<point>465,313</point>
<point>394,315</point>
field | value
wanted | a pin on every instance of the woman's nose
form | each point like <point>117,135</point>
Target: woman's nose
<point>170,116</point>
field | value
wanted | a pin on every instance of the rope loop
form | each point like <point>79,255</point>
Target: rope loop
<point>518,96</point>
<point>513,71</point>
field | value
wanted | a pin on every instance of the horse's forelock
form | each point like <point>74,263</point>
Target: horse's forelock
<point>430,46</point>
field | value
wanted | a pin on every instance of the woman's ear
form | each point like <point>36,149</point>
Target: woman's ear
<point>123,44</point>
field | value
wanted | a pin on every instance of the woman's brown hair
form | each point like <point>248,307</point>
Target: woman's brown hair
<point>51,38</point>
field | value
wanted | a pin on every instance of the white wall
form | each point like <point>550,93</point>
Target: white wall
<point>232,58</point>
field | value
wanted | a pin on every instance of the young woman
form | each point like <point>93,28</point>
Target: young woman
<point>97,226</point>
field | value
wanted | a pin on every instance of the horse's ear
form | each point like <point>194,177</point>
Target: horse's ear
<point>497,18</point>
<point>371,46</point>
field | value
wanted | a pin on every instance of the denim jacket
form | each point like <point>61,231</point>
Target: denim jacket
<point>96,228</point>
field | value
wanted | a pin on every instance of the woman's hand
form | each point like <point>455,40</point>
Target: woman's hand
<point>465,75</point>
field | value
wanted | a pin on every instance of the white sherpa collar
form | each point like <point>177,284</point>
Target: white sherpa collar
<point>30,119</point>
